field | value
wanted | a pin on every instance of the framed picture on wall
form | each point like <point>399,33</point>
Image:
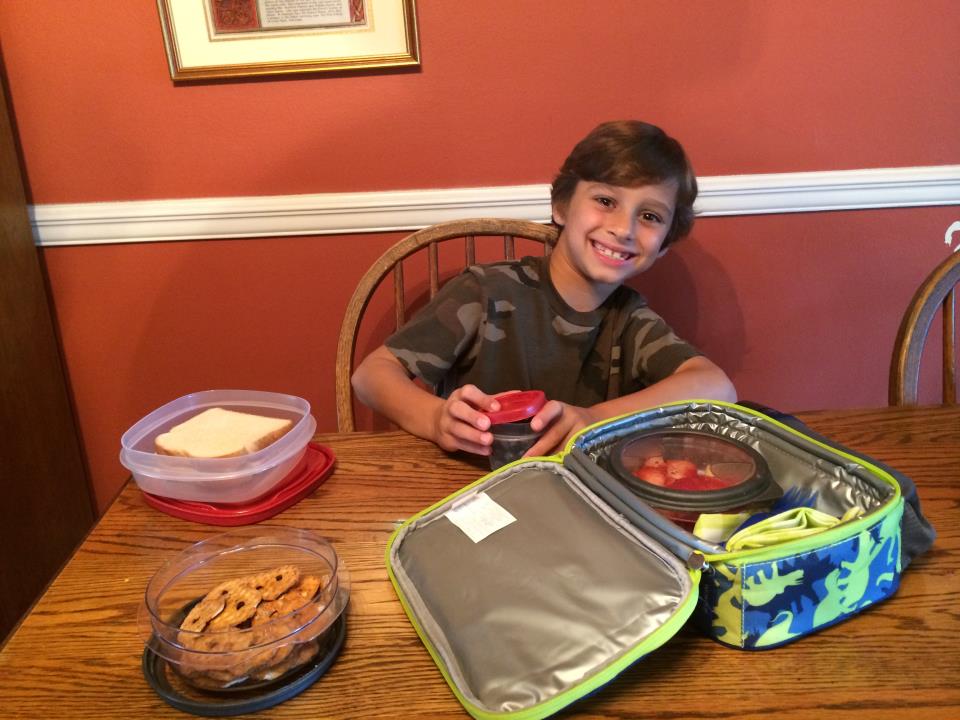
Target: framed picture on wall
<point>208,39</point>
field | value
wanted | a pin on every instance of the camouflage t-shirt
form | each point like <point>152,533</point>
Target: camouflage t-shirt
<point>504,326</point>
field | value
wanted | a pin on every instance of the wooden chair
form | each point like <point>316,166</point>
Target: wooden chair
<point>392,261</point>
<point>937,292</point>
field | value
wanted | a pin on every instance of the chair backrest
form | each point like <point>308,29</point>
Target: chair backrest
<point>391,262</point>
<point>937,292</point>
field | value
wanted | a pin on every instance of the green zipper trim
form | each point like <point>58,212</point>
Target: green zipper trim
<point>659,636</point>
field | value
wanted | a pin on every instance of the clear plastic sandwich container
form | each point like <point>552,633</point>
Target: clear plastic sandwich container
<point>220,480</point>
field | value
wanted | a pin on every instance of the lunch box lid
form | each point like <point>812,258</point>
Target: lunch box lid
<point>636,600</point>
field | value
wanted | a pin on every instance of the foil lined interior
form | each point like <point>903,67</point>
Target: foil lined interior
<point>541,604</point>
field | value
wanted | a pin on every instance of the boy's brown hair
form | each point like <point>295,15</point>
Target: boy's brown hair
<point>629,153</point>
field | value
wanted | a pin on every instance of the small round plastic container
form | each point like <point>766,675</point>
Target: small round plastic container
<point>683,473</point>
<point>510,426</point>
<point>239,479</point>
<point>245,610</point>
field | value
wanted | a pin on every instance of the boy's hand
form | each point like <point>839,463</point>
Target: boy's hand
<point>460,423</point>
<point>559,422</point>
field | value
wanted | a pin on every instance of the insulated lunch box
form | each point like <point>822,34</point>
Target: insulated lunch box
<point>544,579</point>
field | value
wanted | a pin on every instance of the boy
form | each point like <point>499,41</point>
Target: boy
<point>566,323</point>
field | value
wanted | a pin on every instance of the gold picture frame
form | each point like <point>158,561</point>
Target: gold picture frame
<point>215,39</point>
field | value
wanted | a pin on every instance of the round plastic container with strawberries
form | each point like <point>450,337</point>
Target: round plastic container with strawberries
<point>683,473</point>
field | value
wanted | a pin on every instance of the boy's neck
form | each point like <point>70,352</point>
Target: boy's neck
<point>577,291</point>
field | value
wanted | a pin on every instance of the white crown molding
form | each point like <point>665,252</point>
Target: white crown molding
<point>348,213</point>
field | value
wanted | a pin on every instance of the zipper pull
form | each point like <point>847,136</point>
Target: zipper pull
<point>696,561</point>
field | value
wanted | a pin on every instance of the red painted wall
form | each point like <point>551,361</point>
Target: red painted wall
<point>800,309</point>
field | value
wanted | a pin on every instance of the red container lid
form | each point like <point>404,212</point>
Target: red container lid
<point>315,467</point>
<point>516,405</point>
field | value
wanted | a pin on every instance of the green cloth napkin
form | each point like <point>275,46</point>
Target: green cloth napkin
<point>788,525</point>
<point>717,527</point>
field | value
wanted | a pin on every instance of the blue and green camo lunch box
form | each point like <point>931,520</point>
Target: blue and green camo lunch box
<point>543,580</point>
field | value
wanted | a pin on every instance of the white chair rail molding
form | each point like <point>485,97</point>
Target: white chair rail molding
<point>404,210</point>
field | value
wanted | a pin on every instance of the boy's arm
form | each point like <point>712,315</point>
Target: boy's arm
<point>696,378</point>
<point>455,423</point>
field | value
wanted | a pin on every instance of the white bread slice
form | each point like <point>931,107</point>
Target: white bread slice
<point>219,433</point>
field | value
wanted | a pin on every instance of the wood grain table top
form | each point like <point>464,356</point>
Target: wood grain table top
<point>78,653</point>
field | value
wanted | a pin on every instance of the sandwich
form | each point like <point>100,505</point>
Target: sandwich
<point>219,433</point>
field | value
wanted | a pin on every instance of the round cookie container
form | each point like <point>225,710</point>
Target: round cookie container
<point>244,620</point>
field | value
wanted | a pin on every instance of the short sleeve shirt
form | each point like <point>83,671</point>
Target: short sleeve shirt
<point>503,326</point>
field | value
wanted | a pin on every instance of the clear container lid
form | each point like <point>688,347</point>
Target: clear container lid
<point>137,445</point>
<point>693,470</point>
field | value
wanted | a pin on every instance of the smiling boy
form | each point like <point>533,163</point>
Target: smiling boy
<point>566,323</point>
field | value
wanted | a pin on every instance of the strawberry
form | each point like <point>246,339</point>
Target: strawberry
<point>681,470</point>
<point>655,461</point>
<point>652,475</point>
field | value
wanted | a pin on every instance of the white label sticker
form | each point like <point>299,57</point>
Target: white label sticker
<point>479,517</point>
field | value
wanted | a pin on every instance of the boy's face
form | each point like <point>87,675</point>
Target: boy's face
<point>611,233</point>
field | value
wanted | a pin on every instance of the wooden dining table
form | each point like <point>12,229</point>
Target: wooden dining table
<point>77,654</point>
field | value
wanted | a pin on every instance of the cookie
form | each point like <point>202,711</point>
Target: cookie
<point>266,657</point>
<point>240,604</point>
<point>294,599</point>
<point>237,631</point>
<point>217,642</point>
<point>216,656</point>
<point>274,583</point>
<point>301,654</point>
<point>303,593</point>
<point>216,679</point>
<point>201,614</point>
